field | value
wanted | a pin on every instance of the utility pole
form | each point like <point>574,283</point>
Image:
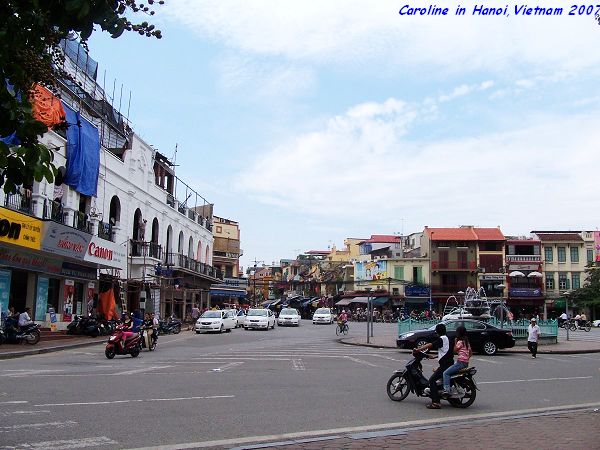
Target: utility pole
<point>254,279</point>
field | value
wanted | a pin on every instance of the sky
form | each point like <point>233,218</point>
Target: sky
<point>310,122</point>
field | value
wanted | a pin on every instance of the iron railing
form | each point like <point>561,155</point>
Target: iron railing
<point>53,210</point>
<point>147,249</point>
<point>180,261</point>
<point>105,231</point>
<point>20,201</point>
<point>82,222</point>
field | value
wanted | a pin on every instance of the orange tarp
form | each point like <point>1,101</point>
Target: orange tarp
<point>107,305</point>
<point>46,107</point>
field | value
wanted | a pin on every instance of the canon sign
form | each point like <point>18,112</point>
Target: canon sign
<point>100,252</point>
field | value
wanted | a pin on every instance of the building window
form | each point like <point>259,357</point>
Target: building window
<point>575,279</point>
<point>548,255</point>
<point>399,272</point>
<point>590,256</point>
<point>562,254</point>
<point>575,254</point>
<point>550,281</point>
<point>563,281</point>
<point>418,275</point>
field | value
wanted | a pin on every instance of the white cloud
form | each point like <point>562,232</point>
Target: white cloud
<point>465,89</point>
<point>360,31</point>
<point>361,166</point>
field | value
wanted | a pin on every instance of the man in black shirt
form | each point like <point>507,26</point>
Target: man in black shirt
<point>445,359</point>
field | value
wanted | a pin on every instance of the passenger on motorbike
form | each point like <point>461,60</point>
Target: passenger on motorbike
<point>148,328</point>
<point>582,320</point>
<point>462,348</point>
<point>445,360</point>
<point>127,329</point>
<point>24,318</point>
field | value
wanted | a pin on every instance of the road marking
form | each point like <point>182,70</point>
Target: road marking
<point>24,413</point>
<point>28,372</point>
<point>384,426</point>
<point>555,359</point>
<point>487,361</point>
<point>226,366</point>
<point>114,402</point>
<point>360,361</point>
<point>297,364</point>
<point>14,402</point>
<point>534,379</point>
<point>37,426</point>
<point>67,444</point>
<point>145,369</point>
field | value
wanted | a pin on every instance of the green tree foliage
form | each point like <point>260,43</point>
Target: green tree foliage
<point>30,33</point>
<point>589,293</point>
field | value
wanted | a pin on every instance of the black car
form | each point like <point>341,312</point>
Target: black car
<point>483,337</point>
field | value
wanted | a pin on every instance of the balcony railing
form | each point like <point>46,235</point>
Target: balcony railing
<point>145,249</point>
<point>20,201</point>
<point>81,222</point>
<point>54,211</point>
<point>523,258</point>
<point>179,261</point>
<point>454,265</point>
<point>105,231</point>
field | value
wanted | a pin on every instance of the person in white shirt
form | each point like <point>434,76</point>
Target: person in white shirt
<point>24,318</point>
<point>532,338</point>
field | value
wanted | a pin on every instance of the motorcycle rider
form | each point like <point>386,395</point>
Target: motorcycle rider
<point>342,319</point>
<point>127,329</point>
<point>445,360</point>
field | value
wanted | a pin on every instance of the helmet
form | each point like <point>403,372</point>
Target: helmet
<point>344,311</point>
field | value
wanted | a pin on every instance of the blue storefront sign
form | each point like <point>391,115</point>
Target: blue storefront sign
<point>5,276</point>
<point>416,291</point>
<point>524,292</point>
<point>41,299</point>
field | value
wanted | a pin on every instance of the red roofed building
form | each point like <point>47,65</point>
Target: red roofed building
<point>464,257</point>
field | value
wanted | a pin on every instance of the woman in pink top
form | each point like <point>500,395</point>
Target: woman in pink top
<point>463,349</point>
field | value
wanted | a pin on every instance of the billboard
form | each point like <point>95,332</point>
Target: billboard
<point>371,271</point>
<point>597,246</point>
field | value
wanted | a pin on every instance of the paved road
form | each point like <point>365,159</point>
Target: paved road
<point>579,335</point>
<point>234,388</point>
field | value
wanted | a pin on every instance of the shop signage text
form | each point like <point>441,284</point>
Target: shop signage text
<point>65,241</point>
<point>106,253</point>
<point>28,261</point>
<point>19,229</point>
<point>100,252</point>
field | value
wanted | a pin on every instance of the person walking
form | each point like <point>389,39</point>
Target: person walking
<point>532,338</point>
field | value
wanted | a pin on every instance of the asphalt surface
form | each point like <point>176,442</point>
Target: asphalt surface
<point>255,387</point>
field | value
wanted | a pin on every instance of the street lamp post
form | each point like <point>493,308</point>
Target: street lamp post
<point>369,314</point>
<point>254,281</point>
<point>566,294</point>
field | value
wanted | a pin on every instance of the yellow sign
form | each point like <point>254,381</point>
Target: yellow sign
<point>19,229</point>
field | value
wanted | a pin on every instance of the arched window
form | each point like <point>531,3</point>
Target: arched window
<point>207,260</point>
<point>180,243</point>
<point>115,211</point>
<point>154,247</point>
<point>169,244</point>
<point>191,248</point>
<point>137,219</point>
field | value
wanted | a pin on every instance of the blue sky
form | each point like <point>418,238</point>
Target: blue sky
<point>310,122</point>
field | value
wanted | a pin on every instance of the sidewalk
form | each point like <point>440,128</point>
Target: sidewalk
<point>539,431</point>
<point>564,347</point>
<point>8,351</point>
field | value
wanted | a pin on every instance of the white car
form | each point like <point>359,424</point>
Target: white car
<point>240,318</point>
<point>323,315</point>
<point>457,313</point>
<point>259,318</point>
<point>596,323</point>
<point>216,320</point>
<point>289,316</point>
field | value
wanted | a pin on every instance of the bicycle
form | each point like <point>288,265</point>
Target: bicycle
<point>342,328</point>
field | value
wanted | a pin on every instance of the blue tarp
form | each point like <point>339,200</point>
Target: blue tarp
<point>83,153</point>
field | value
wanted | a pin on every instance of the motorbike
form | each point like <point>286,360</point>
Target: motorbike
<point>87,326</point>
<point>153,338</point>
<point>29,334</point>
<point>170,326</point>
<point>411,379</point>
<point>115,346</point>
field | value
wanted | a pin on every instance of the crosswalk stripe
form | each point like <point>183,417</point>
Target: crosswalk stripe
<point>68,443</point>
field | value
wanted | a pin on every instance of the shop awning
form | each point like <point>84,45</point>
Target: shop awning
<point>344,302</point>
<point>379,301</point>
<point>363,300</point>
<point>227,293</point>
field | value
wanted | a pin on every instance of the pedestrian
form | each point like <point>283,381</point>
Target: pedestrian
<point>532,338</point>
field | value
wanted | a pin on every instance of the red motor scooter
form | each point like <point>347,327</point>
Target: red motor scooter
<point>115,346</point>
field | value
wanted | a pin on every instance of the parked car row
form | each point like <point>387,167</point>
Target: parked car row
<point>224,320</point>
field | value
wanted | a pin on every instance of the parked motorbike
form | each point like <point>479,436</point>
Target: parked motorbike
<point>411,379</point>
<point>169,326</point>
<point>84,325</point>
<point>29,334</point>
<point>115,346</point>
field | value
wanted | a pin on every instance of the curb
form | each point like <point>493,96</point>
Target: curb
<point>34,351</point>
<point>346,341</point>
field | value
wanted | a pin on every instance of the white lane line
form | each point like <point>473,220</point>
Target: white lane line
<point>555,359</point>
<point>68,443</point>
<point>23,413</point>
<point>142,370</point>
<point>297,364</point>
<point>391,359</point>
<point>37,426</point>
<point>360,361</point>
<point>226,366</point>
<point>487,361</point>
<point>114,402</point>
<point>384,426</point>
<point>14,402</point>
<point>534,379</point>
<point>28,372</point>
